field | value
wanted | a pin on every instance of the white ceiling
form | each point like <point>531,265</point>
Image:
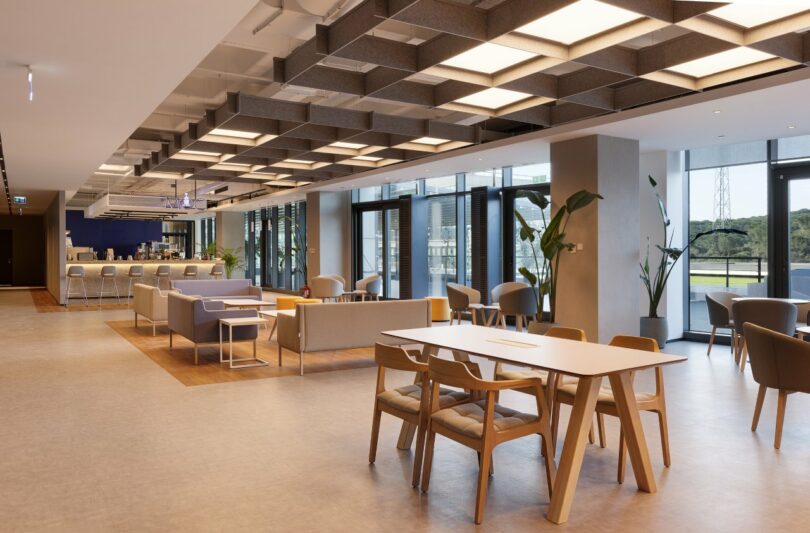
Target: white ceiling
<point>100,68</point>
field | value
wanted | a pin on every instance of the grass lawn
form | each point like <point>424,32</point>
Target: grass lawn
<point>721,280</point>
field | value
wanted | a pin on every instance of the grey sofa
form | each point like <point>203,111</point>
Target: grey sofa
<point>340,326</point>
<point>218,288</point>
<point>198,321</point>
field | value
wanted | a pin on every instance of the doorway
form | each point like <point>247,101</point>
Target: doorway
<point>791,230</point>
<point>377,245</point>
<point>5,257</point>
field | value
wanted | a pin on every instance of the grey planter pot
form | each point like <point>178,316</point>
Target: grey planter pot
<point>655,328</point>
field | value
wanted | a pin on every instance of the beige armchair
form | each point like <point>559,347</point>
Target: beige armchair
<point>326,287</point>
<point>151,304</point>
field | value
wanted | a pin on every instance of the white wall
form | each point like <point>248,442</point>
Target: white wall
<point>667,169</point>
<point>55,252</point>
<point>329,228</point>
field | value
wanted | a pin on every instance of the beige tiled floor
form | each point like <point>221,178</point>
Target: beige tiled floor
<point>96,437</point>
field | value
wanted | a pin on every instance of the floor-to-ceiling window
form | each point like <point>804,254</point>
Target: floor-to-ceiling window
<point>376,241</point>
<point>275,244</point>
<point>728,188</point>
<point>441,231</point>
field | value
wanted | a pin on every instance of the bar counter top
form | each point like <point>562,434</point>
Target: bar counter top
<point>145,261</point>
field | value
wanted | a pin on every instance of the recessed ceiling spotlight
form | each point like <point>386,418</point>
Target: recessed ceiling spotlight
<point>716,111</point>
<point>721,136</point>
<point>791,127</point>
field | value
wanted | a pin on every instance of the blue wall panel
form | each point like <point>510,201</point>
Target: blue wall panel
<point>123,236</point>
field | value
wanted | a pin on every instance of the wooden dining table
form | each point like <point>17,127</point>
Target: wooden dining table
<point>587,361</point>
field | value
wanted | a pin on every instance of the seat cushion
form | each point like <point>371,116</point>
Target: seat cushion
<point>605,393</point>
<point>522,374</point>
<point>408,398</point>
<point>468,418</point>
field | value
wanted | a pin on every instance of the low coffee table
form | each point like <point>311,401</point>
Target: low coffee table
<point>243,321</point>
<point>244,303</point>
<point>274,315</point>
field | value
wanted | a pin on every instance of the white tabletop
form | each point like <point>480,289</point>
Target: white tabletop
<point>273,313</point>
<point>243,321</point>
<point>794,301</point>
<point>244,302</point>
<point>804,329</point>
<point>537,351</point>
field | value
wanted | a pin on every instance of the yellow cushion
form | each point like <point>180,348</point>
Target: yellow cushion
<point>439,308</point>
<point>309,301</point>
<point>287,302</point>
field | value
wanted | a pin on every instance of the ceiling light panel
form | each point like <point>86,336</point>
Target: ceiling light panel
<point>578,21</point>
<point>493,98</point>
<point>730,59</point>
<point>234,133</point>
<point>489,58</point>
<point>350,146</point>
<point>752,14</point>
<point>366,158</point>
<point>432,141</point>
<point>199,152</point>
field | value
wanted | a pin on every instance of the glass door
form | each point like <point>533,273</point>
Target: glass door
<point>799,237</point>
<point>377,245</point>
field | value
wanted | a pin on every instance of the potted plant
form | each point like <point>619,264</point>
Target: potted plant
<point>211,250</point>
<point>655,282</point>
<point>298,248</point>
<point>231,259</point>
<point>546,243</point>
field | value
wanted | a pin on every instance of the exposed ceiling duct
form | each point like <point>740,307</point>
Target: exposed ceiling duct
<point>323,9</point>
<point>143,207</point>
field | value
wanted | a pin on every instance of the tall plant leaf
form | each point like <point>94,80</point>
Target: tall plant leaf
<point>580,199</point>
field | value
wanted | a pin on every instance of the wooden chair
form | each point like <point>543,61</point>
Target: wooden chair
<point>409,403</point>
<point>779,362</point>
<point>482,425</point>
<point>606,403</point>
<point>558,332</point>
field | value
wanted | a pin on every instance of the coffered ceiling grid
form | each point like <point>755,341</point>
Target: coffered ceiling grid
<point>516,60</point>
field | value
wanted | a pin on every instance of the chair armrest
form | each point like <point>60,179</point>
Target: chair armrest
<point>213,305</point>
<point>510,384</point>
<point>229,313</point>
<point>255,291</point>
<point>287,332</point>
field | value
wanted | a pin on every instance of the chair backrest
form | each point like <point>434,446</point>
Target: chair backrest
<point>803,313</point>
<point>136,271</point>
<point>454,374</point>
<point>163,270</point>
<point>190,270</point>
<point>108,271</point>
<point>208,288</point>
<point>572,334</point>
<point>499,290</point>
<point>778,361</point>
<point>371,284</point>
<point>460,296</point>
<point>719,305</point>
<point>635,343</point>
<point>325,287</point>
<point>75,271</point>
<point>396,358</point>
<point>520,301</point>
<point>217,269</point>
<point>775,315</point>
<point>337,277</point>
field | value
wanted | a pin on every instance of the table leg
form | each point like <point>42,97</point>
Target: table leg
<point>622,385</point>
<point>408,431</point>
<point>562,496</point>
<point>220,343</point>
<point>230,341</point>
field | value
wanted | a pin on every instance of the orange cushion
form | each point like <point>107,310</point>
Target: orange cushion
<point>287,302</point>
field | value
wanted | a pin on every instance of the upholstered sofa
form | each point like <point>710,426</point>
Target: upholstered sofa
<point>198,321</point>
<point>340,326</point>
<point>150,303</point>
<point>218,288</point>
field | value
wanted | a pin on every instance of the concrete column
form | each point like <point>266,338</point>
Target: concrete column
<point>598,283</point>
<point>329,230</point>
<point>230,233</point>
<point>667,169</point>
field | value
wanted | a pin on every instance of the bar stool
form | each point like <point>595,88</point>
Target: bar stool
<point>75,272</point>
<point>108,272</point>
<point>217,271</point>
<point>190,272</point>
<point>135,274</point>
<point>163,271</point>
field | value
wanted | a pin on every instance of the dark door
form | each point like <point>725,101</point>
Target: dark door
<point>5,257</point>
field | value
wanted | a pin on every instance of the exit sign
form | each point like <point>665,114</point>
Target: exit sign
<point>20,200</point>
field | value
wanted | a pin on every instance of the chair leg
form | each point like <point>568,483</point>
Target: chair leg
<point>420,451</point>
<point>375,433</point>
<point>758,407</point>
<point>711,340</point>
<point>743,355</point>
<point>428,459</point>
<point>483,482</point>
<point>154,332</point>
<point>171,339</point>
<point>136,320</point>
<point>555,422</point>
<point>780,418</point>
<point>663,427</point>
<point>196,354</point>
<point>622,457</point>
<point>84,290</point>
<point>67,292</point>
<point>301,363</point>
<point>591,438</point>
<point>600,424</point>
<point>100,292</point>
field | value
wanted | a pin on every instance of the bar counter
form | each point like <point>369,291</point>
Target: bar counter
<point>92,274</point>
